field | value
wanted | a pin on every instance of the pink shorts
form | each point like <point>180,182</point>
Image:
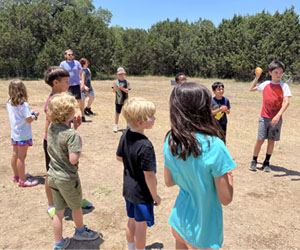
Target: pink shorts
<point>21,143</point>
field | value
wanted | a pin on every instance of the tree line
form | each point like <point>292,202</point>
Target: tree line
<point>35,33</point>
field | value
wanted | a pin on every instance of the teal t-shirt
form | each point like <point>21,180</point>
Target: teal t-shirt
<point>197,213</point>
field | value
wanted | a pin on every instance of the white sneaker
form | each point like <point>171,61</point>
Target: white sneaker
<point>116,127</point>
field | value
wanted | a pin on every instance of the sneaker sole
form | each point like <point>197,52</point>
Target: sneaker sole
<point>88,239</point>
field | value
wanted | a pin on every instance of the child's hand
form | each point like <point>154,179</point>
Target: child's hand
<point>275,120</point>
<point>86,88</point>
<point>223,108</point>
<point>36,112</point>
<point>157,200</point>
<point>77,121</point>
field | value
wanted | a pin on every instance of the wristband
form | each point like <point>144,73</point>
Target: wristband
<point>35,115</point>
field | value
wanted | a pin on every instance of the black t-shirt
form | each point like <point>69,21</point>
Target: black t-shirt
<point>138,156</point>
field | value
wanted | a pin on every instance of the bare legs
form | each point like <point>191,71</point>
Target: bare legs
<point>136,232</point>
<point>18,161</point>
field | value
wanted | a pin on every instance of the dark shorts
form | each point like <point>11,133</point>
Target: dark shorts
<point>119,108</point>
<point>140,212</point>
<point>47,157</point>
<point>75,91</point>
<point>266,131</point>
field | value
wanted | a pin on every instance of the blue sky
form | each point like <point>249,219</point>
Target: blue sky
<point>145,13</point>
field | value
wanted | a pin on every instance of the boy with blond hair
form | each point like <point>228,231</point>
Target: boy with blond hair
<point>136,152</point>
<point>64,147</point>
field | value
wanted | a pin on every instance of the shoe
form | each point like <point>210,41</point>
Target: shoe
<point>16,178</point>
<point>51,211</point>
<point>64,246</point>
<point>116,127</point>
<point>86,204</point>
<point>253,166</point>
<point>266,167</point>
<point>83,119</point>
<point>87,234</point>
<point>89,110</point>
<point>28,183</point>
<point>86,111</point>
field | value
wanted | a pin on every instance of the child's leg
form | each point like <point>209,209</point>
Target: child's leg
<point>91,100</point>
<point>257,147</point>
<point>140,234</point>
<point>13,161</point>
<point>270,147</point>
<point>130,230</point>
<point>48,192</point>
<point>117,118</point>
<point>78,218</point>
<point>58,225</point>
<point>22,152</point>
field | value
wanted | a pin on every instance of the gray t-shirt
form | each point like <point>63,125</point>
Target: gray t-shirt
<point>62,140</point>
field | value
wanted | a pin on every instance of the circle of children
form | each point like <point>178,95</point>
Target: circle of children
<point>195,156</point>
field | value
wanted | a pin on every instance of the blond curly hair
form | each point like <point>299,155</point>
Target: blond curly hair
<point>138,109</point>
<point>61,108</point>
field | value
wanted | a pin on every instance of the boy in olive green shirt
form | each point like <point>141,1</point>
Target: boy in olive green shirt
<point>64,147</point>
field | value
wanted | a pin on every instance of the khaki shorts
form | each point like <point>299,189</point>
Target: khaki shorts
<point>65,193</point>
<point>266,131</point>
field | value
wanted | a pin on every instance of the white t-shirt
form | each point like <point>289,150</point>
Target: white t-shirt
<point>20,129</point>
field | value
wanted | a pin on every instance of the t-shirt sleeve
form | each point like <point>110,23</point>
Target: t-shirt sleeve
<point>228,103</point>
<point>120,147</point>
<point>286,90</point>
<point>260,87</point>
<point>147,156</point>
<point>78,65</point>
<point>218,158</point>
<point>26,110</point>
<point>74,142</point>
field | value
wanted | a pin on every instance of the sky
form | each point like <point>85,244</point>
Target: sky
<point>145,13</point>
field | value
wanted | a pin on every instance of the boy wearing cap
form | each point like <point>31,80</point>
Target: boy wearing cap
<point>121,88</point>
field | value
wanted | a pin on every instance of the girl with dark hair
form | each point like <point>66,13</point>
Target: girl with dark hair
<point>197,160</point>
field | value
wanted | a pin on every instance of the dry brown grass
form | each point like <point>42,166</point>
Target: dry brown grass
<point>264,214</point>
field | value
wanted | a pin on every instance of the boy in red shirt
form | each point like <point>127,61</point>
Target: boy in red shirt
<point>276,99</point>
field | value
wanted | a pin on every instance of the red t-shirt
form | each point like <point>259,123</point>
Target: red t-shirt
<point>273,95</point>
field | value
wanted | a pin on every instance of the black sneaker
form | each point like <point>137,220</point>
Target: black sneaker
<point>86,111</point>
<point>90,111</point>
<point>83,119</point>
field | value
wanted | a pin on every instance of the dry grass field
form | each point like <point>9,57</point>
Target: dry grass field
<point>265,212</point>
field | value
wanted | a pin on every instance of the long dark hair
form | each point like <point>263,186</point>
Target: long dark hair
<point>190,113</point>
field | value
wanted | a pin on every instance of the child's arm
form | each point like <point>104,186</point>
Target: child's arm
<point>224,185</point>
<point>123,89</point>
<point>285,104</point>
<point>34,116</point>
<point>151,183</point>
<point>74,157</point>
<point>254,83</point>
<point>115,88</point>
<point>168,177</point>
<point>223,108</point>
<point>119,158</point>
<point>47,123</point>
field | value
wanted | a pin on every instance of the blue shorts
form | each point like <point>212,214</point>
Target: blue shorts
<point>21,143</point>
<point>140,212</point>
<point>84,94</point>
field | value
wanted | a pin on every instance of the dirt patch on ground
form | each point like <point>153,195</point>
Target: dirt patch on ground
<point>264,214</point>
